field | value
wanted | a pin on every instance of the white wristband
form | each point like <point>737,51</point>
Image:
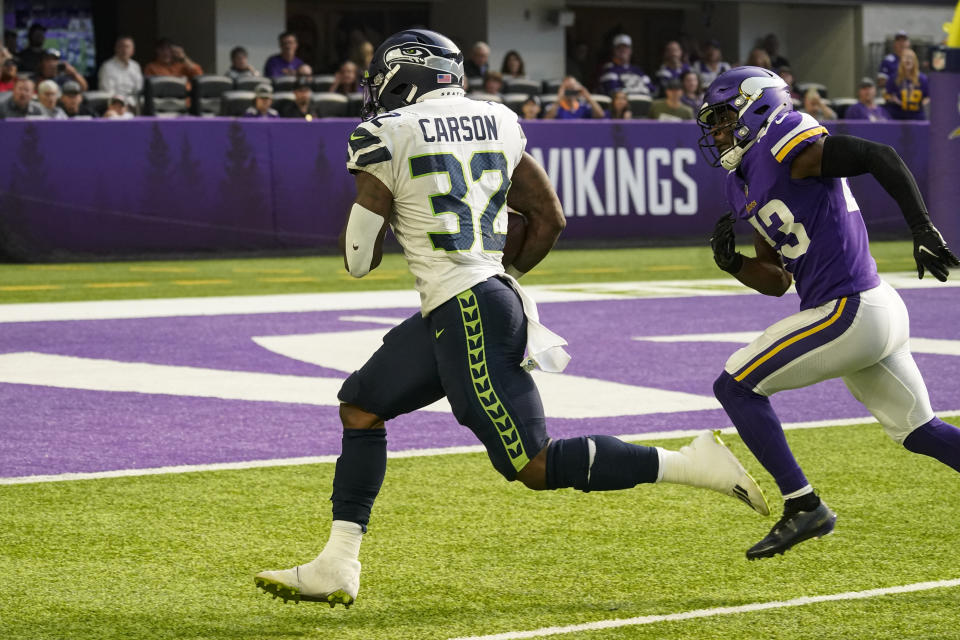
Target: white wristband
<point>515,273</point>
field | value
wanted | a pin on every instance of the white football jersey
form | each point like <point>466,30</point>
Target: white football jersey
<point>448,163</point>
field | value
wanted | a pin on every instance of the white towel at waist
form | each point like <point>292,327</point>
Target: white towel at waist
<point>544,347</point>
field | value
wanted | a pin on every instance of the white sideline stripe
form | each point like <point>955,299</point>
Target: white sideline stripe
<point>405,299</point>
<point>719,611</point>
<point>406,453</point>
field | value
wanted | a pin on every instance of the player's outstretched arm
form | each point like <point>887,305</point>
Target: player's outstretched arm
<point>532,194</point>
<point>845,156</point>
<point>765,273</point>
<point>361,241</point>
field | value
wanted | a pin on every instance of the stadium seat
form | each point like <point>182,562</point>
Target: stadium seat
<point>281,99</point>
<point>521,85</point>
<point>803,87</point>
<point>330,105</point>
<point>234,103</point>
<point>164,95</point>
<point>354,104</point>
<point>551,87</point>
<point>5,95</point>
<point>322,83</point>
<point>250,83</point>
<point>840,105</point>
<point>205,94</point>
<point>97,101</point>
<point>515,101</point>
<point>486,97</point>
<point>602,99</point>
<point>284,83</point>
<point>639,104</point>
<point>474,83</point>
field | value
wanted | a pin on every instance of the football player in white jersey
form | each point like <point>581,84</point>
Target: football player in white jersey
<point>440,169</point>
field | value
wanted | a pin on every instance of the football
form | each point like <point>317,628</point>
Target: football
<point>516,233</point>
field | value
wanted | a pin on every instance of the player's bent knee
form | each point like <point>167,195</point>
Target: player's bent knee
<point>534,473</point>
<point>353,417</point>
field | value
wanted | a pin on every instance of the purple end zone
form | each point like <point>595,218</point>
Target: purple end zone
<point>48,430</point>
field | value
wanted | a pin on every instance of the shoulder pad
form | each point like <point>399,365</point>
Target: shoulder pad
<point>790,131</point>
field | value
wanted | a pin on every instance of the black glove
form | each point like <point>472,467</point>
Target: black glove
<point>724,245</point>
<point>931,252</point>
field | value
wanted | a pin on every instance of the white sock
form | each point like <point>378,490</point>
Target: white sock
<point>802,491</point>
<point>345,539</point>
<point>675,467</point>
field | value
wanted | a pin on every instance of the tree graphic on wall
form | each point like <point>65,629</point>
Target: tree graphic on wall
<point>240,195</point>
<point>159,196</point>
<point>30,198</point>
<point>189,176</point>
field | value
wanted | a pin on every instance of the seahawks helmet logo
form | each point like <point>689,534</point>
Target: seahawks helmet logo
<point>425,55</point>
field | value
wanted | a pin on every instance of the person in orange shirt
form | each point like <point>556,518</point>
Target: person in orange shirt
<point>171,60</point>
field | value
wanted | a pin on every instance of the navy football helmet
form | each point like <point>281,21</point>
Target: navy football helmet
<point>407,67</point>
<point>744,100</point>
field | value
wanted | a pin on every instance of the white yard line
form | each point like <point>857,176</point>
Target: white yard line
<point>408,453</point>
<point>718,611</point>
<point>403,299</point>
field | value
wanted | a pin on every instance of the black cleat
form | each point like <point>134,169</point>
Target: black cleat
<point>792,528</point>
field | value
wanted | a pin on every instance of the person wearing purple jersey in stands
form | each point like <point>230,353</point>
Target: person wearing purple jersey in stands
<point>285,63</point>
<point>866,107</point>
<point>673,66</point>
<point>620,74</point>
<point>891,61</point>
<point>787,179</point>
<point>907,90</point>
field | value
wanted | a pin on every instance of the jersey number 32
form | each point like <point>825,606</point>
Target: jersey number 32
<point>452,202</point>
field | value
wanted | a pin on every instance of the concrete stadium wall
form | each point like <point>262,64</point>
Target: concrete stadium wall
<point>191,184</point>
<point>254,24</point>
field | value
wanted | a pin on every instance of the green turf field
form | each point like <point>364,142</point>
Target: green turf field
<point>453,550</point>
<point>217,277</point>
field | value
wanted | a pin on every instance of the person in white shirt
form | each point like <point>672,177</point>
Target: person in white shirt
<point>121,74</point>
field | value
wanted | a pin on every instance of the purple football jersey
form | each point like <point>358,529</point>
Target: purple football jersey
<point>814,224</point>
<point>905,100</point>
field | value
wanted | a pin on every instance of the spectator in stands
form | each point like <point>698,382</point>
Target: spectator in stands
<point>51,67</point>
<point>759,58</point>
<point>118,109</point>
<point>262,104</point>
<point>814,105</point>
<point>121,73</point>
<point>72,102</point>
<point>578,63</point>
<point>670,108</point>
<point>300,107</point>
<point>48,92</point>
<point>512,66</point>
<point>673,65</point>
<point>771,44</point>
<point>8,74</point>
<point>5,54</point>
<point>908,90</point>
<point>712,64</point>
<point>477,64</point>
<point>172,60</point>
<point>20,104</point>
<point>362,54</point>
<point>619,106</point>
<point>10,41</point>
<point>620,74</point>
<point>29,58</point>
<point>493,83</point>
<point>573,103</point>
<point>345,80</point>
<point>891,62</point>
<point>240,66</point>
<point>531,108</point>
<point>692,93</point>
<point>866,107</point>
<point>787,75</point>
<point>286,62</point>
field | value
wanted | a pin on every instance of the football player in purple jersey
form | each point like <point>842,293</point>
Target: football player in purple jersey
<point>787,179</point>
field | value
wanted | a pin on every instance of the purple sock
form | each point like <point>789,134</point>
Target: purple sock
<point>936,439</point>
<point>760,429</point>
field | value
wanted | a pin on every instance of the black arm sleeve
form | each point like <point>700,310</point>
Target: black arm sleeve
<point>845,156</point>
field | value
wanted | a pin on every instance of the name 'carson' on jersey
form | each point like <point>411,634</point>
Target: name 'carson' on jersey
<point>449,177</point>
